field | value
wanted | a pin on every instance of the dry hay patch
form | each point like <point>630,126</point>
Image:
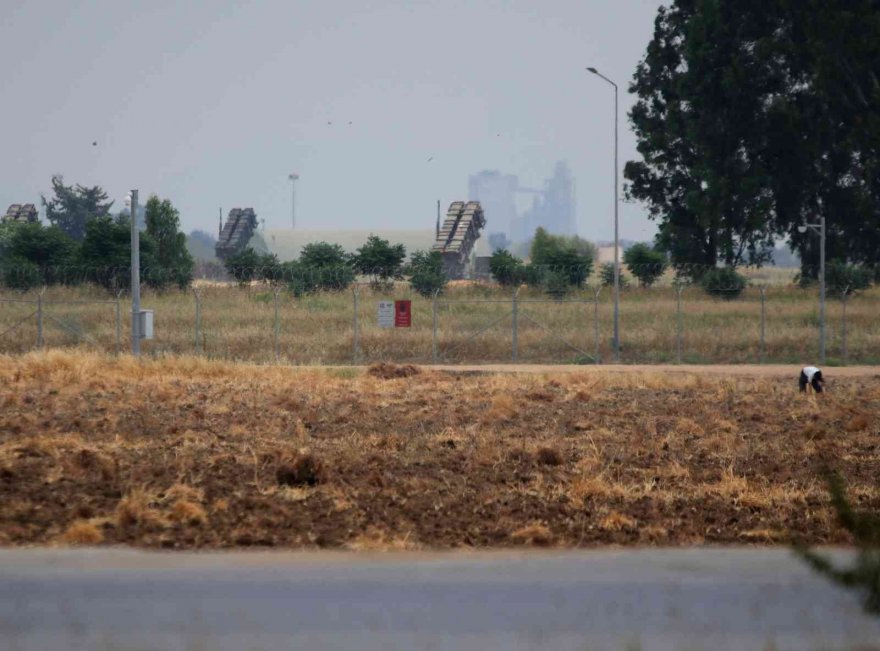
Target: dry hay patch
<point>446,461</point>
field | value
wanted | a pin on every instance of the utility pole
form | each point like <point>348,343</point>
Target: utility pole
<point>135,278</point>
<point>616,341</point>
<point>437,227</point>
<point>293,179</point>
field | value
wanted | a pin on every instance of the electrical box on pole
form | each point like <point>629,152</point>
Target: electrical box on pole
<point>145,325</point>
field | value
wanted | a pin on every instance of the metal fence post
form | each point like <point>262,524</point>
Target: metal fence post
<point>843,351</point>
<point>357,343</point>
<point>596,323</point>
<point>679,326</point>
<point>40,319</point>
<point>434,326</point>
<point>119,322</point>
<point>514,352</point>
<point>763,353</point>
<point>276,291</point>
<point>198,296</point>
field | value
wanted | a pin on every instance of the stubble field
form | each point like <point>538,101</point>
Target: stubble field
<point>187,453</point>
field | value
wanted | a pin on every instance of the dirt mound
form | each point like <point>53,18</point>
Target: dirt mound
<point>388,371</point>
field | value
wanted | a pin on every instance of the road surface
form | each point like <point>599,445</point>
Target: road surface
<point>716,599</point>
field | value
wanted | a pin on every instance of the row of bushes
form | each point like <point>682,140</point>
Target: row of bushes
<point>32,255</point>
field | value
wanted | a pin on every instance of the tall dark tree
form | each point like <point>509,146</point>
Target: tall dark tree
<point>74,205</point>
<point>825,141</point>
<point>174,263</point>
<point>754,117</point>
<point>105,254</point>
<point>697,120</point>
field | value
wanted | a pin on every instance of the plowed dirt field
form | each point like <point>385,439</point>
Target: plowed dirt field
<point>187,453</point>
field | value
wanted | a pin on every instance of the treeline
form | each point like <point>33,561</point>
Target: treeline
<point>557,264</point>
<point>86,243</point>
<point>322,266</point>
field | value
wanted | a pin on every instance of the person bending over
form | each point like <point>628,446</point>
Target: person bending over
<point>812,376</point>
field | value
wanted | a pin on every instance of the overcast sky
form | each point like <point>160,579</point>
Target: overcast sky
<point>213,104</point>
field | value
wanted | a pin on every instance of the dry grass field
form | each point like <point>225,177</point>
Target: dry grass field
<point>239,324</point>
<point>192,453</point>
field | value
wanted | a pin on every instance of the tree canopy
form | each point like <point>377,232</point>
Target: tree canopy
<point>174,263</point>
<point>73,206</point>
<point>753,117</point>
<point>380,259</point>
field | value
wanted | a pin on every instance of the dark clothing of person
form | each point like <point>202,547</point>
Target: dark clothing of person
<point>814,379</point>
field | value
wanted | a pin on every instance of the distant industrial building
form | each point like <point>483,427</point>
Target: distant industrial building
<point>496,193</point>
<point>21,213</point>
<point>553,206</point>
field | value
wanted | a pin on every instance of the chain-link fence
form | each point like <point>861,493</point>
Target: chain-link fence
<point>319,320</point>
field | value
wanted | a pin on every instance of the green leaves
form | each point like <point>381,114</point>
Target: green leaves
<point>753,117</point>
<point>864,575</point>
<point>426,274</point>
<point>73,206</point>
<point>507,269</point>
<point>174,264</point>
<point>380,260</point>
<point>645,263</point>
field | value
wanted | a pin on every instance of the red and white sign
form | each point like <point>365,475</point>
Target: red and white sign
<point>402,314</point>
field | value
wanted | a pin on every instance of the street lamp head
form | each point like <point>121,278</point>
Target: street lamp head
<point>293,177</point>
<point>802,229</point>
<point>593,70</point>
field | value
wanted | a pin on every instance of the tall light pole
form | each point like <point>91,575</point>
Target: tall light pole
<point>820,230</point>
<point>293,179</point>
<point>616,340</point>
<point>135,277</point>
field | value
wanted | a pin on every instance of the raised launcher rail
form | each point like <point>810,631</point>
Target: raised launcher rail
<point>457,236</point>
<point>236,233</point>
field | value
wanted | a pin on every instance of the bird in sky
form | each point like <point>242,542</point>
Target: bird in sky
<point>94,143</point>
<point>430,159</point>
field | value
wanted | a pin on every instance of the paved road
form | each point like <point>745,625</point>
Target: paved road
<point>674,599</point>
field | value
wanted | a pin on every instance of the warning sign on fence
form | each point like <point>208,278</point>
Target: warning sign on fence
<point>385,314</point>
<point>402,314</point>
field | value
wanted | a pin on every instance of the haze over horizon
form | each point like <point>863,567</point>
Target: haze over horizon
<point>380,110</point>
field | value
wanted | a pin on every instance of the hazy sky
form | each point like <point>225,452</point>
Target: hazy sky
<point>213,104</point>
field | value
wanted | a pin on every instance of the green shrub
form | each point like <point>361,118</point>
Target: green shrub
<point>20,274</point>
<point>507,269</point>
<point>645,263</point>
<point>426,274</point>
<point>842,278</point>
<point>724,282</point>
<point>606,276</point>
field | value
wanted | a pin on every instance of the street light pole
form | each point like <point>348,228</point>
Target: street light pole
<point>616,340</point>
<point>293,179</point>
<point>135,278</point>
<point>820,230</point>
